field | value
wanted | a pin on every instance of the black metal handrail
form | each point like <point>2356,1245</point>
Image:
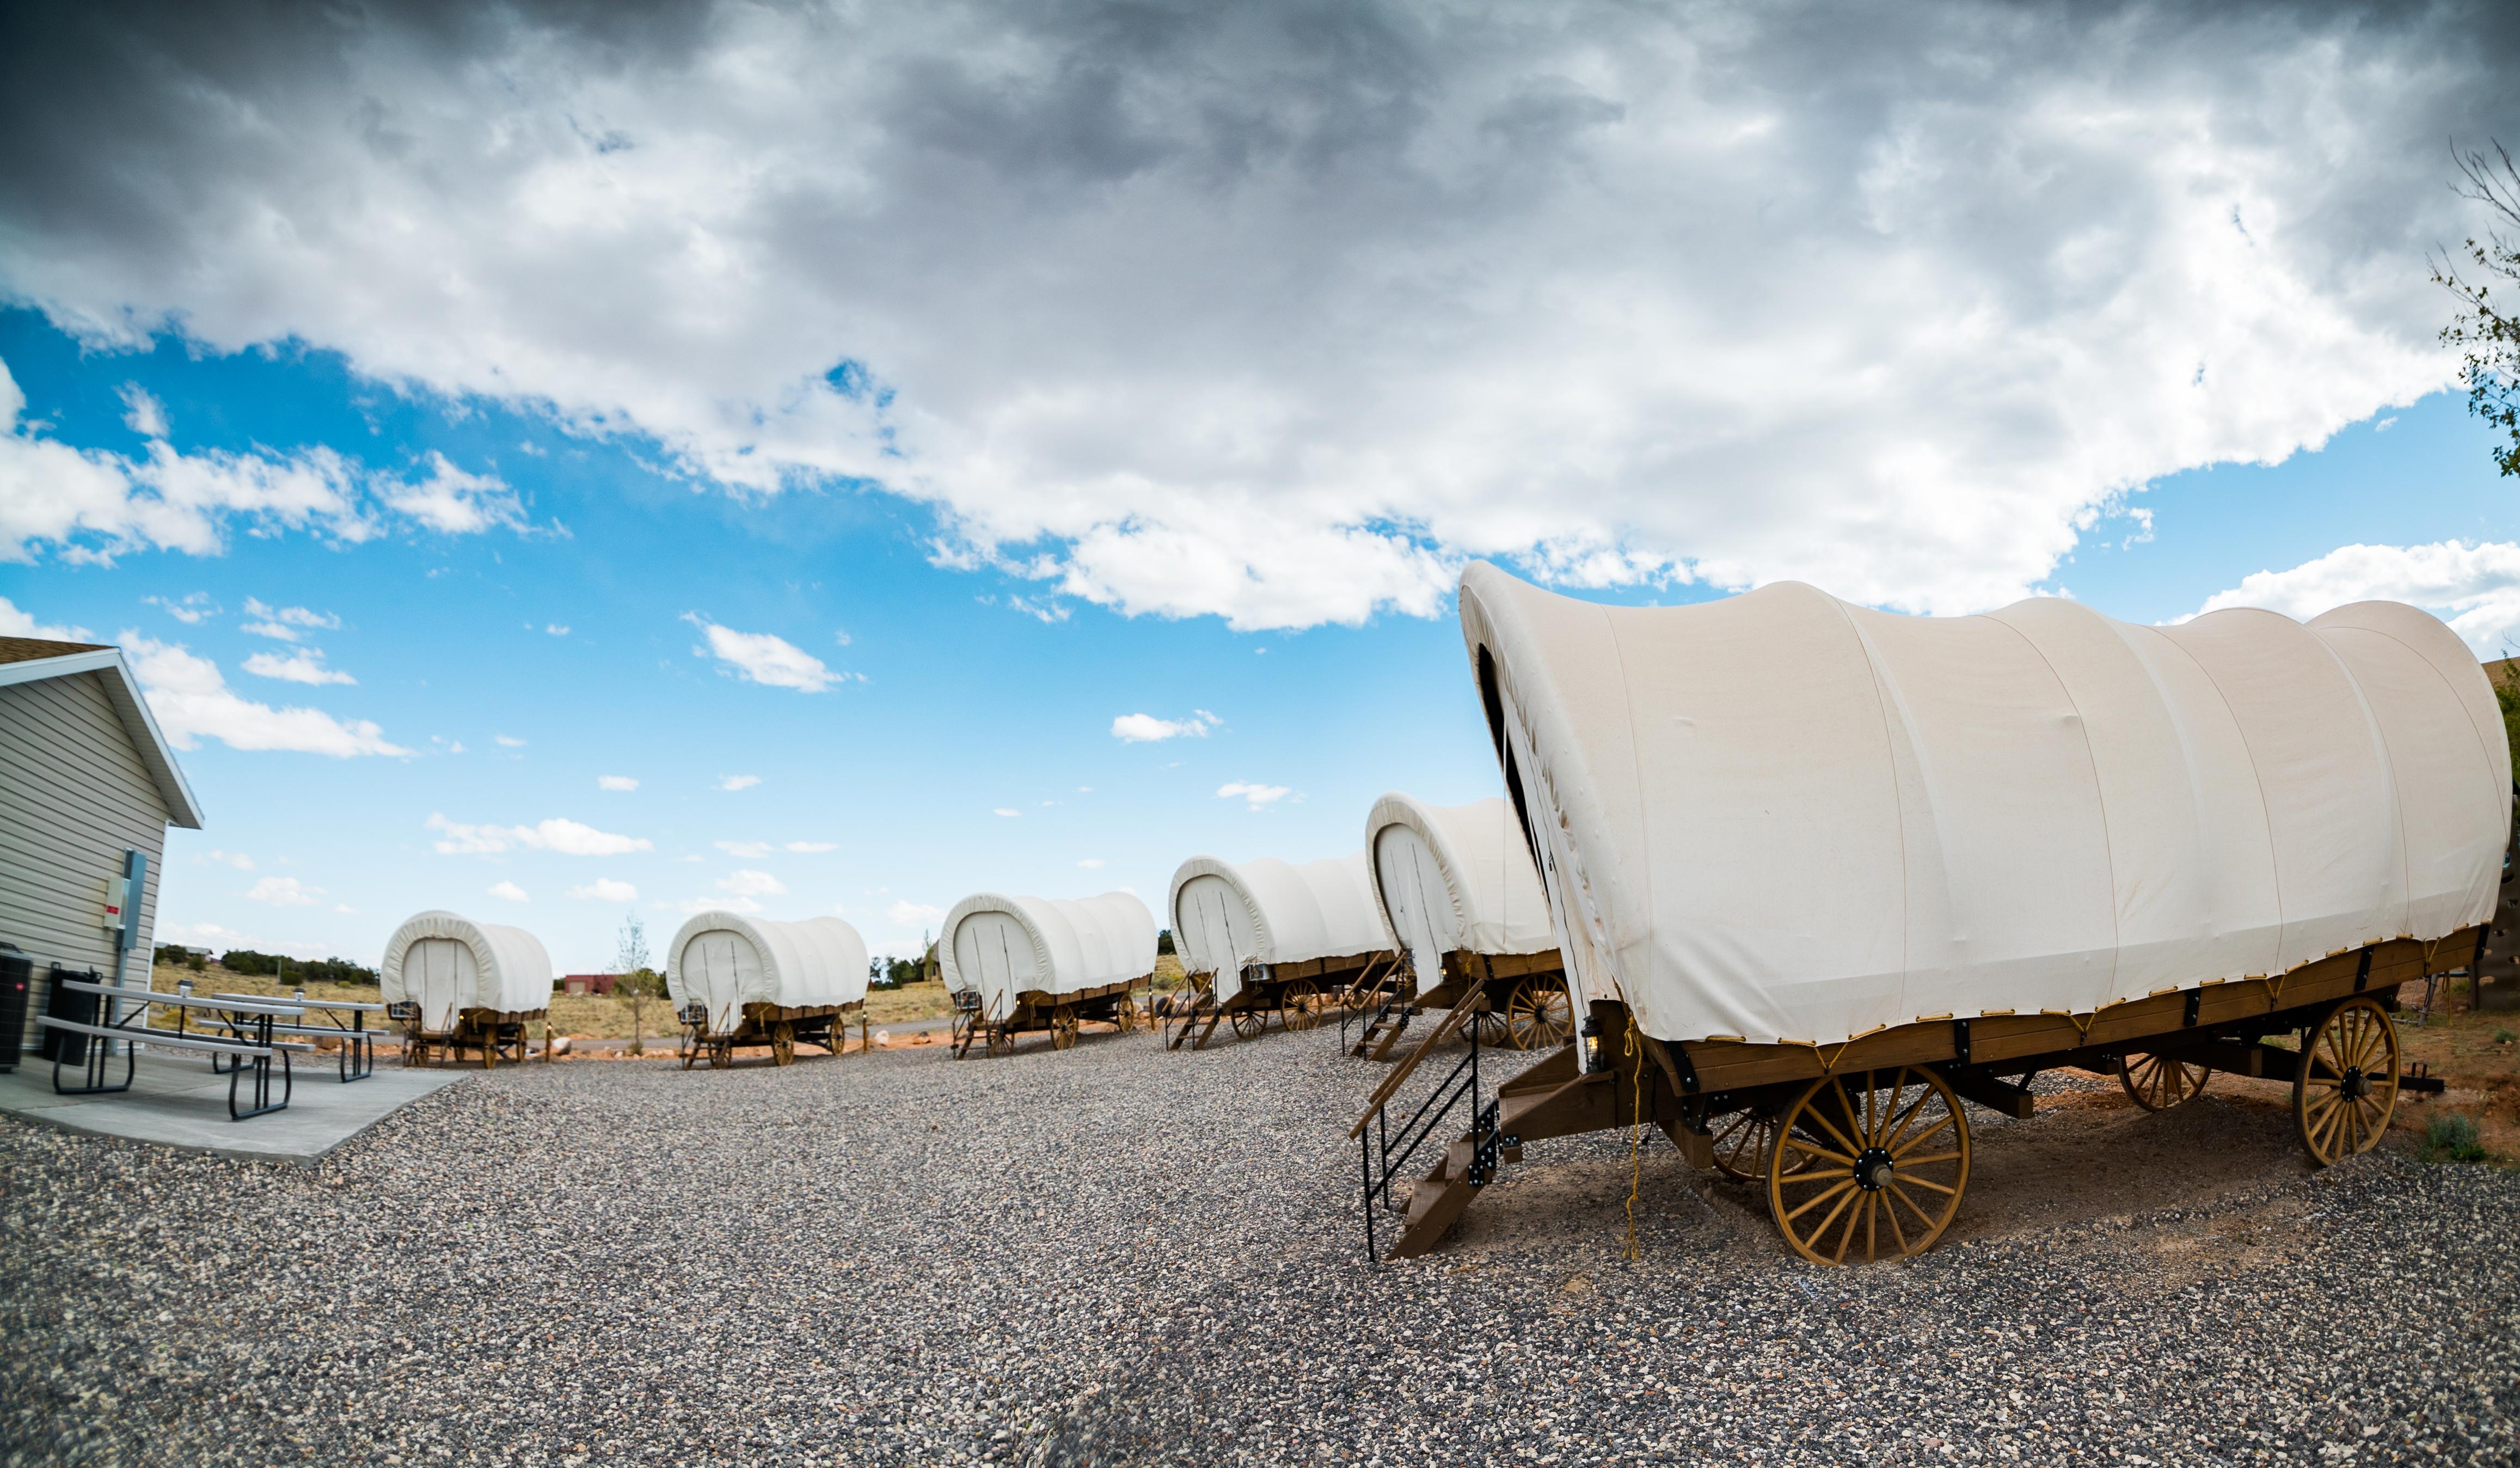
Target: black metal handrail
<point>1396,992</point>
<point>1381,1153</point>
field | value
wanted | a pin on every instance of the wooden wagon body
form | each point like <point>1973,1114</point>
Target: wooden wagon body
<point>456,986</point>
<point>1295,996</point>
<point>1455,890</point>
<point>1266,940</point>
<point>1037,965</point>
<point>995,1026</point>
<point>1824,875</point>
<point>780,1028</point>
<point>738,981</point>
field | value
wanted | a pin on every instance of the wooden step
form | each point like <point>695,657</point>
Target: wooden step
<point>1437,1203</point>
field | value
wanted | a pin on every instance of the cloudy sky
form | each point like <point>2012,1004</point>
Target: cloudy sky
<point>559,462</point>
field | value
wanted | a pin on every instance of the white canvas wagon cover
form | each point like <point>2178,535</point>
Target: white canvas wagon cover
<point>1454,877</point>
<point>446,963</point>
<point>1227,915</point>
<point>1002,946</point>
<point>1783,817</point>
<point>727,960</point>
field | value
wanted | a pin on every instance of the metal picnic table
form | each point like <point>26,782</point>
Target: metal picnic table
<point>127,1021</point>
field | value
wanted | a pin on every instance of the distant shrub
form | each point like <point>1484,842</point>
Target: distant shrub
<point>2451,1137</point>
<point>1164,941</point>
<point>297,970</point>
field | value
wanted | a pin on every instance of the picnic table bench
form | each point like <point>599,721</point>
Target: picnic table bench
<point>357,1040</point>
<point>252,1027</point>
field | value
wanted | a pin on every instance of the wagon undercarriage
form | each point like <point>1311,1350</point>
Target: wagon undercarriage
<point>1519,1001</point>
<point>1862,1149</point>
<point>492,1034</point>
<point>780,1027</point>
<point>1061,1016</point>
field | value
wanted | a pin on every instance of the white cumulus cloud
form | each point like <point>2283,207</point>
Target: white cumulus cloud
<point>508,892</point>
<point>192,609</point>
<point>16,623</point>
<point>605,890</point>
<point>453,502</point>
<point>763,658</point>
<point>238,859</point>
<point>284,892</point>
<point>287,623</point>
<point>2474,586</point>
<point>192,701</point>
<point>566,837</point>
<point>507,741</point>
<point>737,782</point>
<point>812,847</point>
<point>1091,863</point>
<point>749,882</point>
<point>301,665</point>
<point>904,913</point>
<point>616,782</point>
<point>743,849</point>
<point>1256,797</point>
<point>1008,811</point>
<point>1143,728</point>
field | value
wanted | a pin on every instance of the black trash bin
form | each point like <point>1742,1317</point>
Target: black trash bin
<point>61,1046</point>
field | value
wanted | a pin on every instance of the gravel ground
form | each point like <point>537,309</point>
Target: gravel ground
<point>1120,1255</point>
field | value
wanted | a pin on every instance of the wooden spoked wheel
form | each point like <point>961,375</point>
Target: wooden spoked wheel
<point>1300,1007</point>
<point>1869,1166</point>
<point>1539,1016</point>
<point>2347,1087</point>
<point>1742,1142</point>
<point>1002,1039</point>
<point>782,1043</point>
<point>1250,1022</point>
<point>1062,1028</point>
<point>2159,1083</point>
<point>1125,1015</point>
<point>722,1053</point>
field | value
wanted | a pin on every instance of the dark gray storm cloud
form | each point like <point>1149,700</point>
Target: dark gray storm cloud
<point>1275,312</point>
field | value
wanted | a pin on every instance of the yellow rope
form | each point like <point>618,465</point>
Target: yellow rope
<point>1636,1135</point>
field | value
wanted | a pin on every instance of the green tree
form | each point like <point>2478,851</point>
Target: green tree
<point>2485,333</point>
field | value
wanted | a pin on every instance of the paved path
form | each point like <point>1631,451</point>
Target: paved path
<point>176,1101</point>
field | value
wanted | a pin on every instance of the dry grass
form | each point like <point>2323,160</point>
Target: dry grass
<point>583,1015</point>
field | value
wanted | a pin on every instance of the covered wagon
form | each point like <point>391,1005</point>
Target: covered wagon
<point>1455,887</point>
<point>739,981</point>
<point>1015,965</point>
<point>1268,938</point>
<point>1821,874</point>
<point>454,984</point>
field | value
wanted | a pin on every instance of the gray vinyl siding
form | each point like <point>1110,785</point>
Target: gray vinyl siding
<point>73,795</point>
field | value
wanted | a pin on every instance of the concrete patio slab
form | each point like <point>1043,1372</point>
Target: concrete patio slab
<point>175,1101</point>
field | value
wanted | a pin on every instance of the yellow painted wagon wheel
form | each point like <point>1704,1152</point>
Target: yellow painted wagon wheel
<point>489,1051</point>
<point>1300,1006</point>
<point>1539,1016</point>
<point>1002,1039</point>
<point>1249,1022</point>
<point>1869,1166</point>
<point>1062,1028</point>
<point>2157,1083</point>
<point>1126,1014</point>
<point>782,1042</point>
<point>2347,1087</point>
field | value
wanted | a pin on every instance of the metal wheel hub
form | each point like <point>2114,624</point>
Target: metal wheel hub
<point>2356,1085</point>
<point>1872,1170</point>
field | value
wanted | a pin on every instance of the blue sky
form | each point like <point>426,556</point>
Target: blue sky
<point>448,418</point>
